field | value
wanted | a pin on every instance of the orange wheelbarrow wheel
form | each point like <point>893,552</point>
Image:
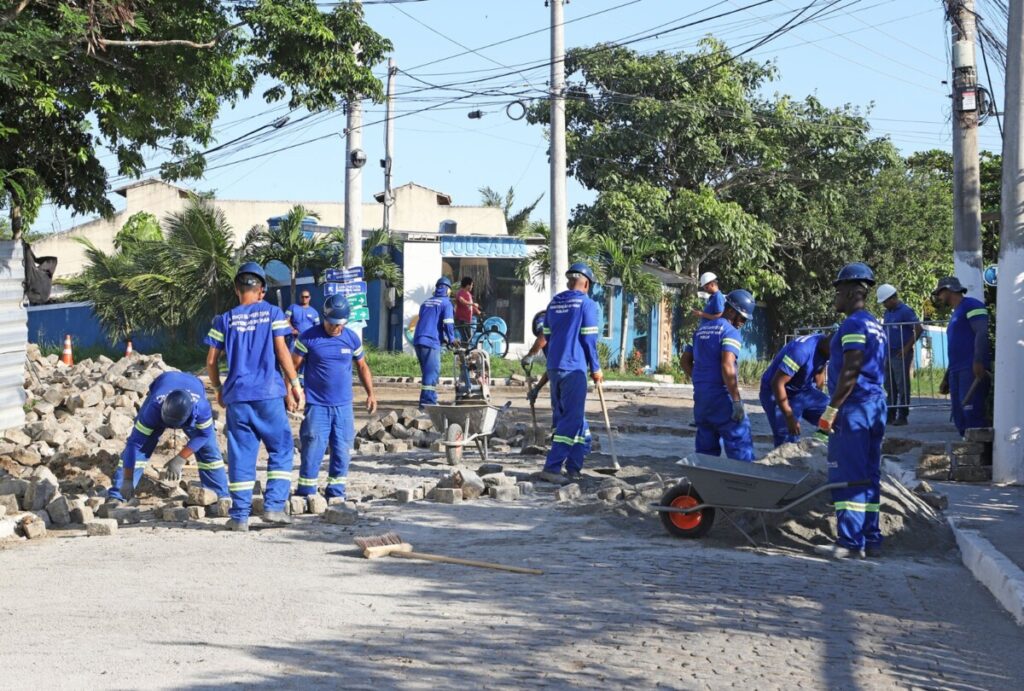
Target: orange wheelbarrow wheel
<point>688,525</point>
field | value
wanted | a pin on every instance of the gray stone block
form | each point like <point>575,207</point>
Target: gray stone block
<point>471,484</point>
<point>341,515</point>
<point>196,513</point>
<point>406,495</point>
<point>504,493</point>
<point>498,480</point>
<point>296,505</point>
<point>81,515</point>
<point>101,527</point>
<point>219,509</point>
<point>257,505</point>
<point>568,492</point>
<point>200,496</point>
<point>59,510</point>
<point>389,419</point>
<point>316,504</point>
<point>175,514</point>
<point>13,486</point>
<point>126,515</point>
<point>397,446</point>
<point>33,527</point>
<point>982,435</point>
<point>9,502</point>
<point>525,488</point>
<point>443,495</point>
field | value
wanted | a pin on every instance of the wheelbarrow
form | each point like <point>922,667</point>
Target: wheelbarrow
<point>715,485</point>
<point>462,424</point>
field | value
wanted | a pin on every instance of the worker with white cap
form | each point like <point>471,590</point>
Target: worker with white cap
<point>902,329</point>
<point>715,305</point>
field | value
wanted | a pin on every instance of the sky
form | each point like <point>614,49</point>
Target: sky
<point>888,57</point>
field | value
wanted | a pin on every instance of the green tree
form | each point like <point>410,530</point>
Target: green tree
<point>515,221</point>
<point>141,227</point>
<point>128,76</point>
<point>626,262</point>
<point>287,243</point>
<point>584,246</point>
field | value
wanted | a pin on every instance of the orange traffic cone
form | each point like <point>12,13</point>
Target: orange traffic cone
<point>128,349</point>
<point>66,357</point>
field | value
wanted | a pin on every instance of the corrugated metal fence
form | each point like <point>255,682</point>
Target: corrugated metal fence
<point>13,335</point>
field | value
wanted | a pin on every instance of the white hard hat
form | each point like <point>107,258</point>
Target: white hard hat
<point>885,291</point>
<point>706,278</point>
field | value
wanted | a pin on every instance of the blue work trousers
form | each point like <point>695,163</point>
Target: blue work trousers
<point>807,404</point>
<point>571,441</point>
<point>208,458</point>
<point>248,424</point>
<point>712,411</point>
<point>326,428</point>
<point>974,412</point>
<point>430,372</point>
<point>855,454</point>
<point>897,384</point>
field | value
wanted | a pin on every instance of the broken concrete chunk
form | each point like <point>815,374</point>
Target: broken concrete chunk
<point>101,527</point>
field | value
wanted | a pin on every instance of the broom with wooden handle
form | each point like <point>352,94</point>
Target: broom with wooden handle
<point>391,545</point>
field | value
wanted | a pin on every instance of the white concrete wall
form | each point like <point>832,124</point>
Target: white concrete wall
<point>416,210</point>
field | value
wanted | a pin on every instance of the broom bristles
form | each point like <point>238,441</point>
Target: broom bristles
<point>367,541</point>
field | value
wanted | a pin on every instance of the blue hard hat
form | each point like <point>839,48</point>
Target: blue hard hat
<point>443,281</point>
<point>336,310</point>
<point>742,302</point>
<point>857,272</point>
<point>254,269</point>
<point>538,323</point>
<point>582,269</point>
<point>176,409</point>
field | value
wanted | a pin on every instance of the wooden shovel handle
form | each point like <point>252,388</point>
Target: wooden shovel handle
<point>608,427</point>
<point>467,562</point>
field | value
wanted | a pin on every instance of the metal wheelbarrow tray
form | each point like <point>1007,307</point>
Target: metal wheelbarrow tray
<point>713,484</point>
<point>462,424</point>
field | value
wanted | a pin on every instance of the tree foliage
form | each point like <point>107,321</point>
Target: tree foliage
<point>515,221</point>
<point>140,227</point>
<point>625,262</point>
<point>584,246</point>
<point>287,243</point>
<point>133,75</point>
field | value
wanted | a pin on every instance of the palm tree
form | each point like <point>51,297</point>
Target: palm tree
<point>287,243</point>
<point>584,246</point>
<point>515,222</point>
<point>626,264</point>
<point>377,262</point>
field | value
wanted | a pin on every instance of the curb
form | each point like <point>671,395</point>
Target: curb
<point>1003,578</point>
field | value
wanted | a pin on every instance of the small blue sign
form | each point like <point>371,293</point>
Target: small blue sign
<point>990,275</point>
<point>345,289</point>
<point>354,273</point>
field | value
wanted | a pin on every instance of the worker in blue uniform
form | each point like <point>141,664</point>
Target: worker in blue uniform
<point>854,421</point>
<point>540,345</point>
<point>176,400</point>
<point>571,325</point>
<point>717,407</point>
<point>791,386</point>
<point>252,338</point>
<point>329,352</point>
<point>301,316</point>
<point>715,305</point>
<point>434,328</point>
<point>902,329</point>
<point>967,378</point>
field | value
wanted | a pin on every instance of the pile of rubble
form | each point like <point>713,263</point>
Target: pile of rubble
<point>400,432</point>
<point>463,484</point>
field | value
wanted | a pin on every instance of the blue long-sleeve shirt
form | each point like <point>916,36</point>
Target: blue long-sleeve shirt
<point>436,324</point>
<point>149,423</point>
<point>571,325</point>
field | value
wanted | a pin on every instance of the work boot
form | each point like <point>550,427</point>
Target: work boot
<point>837,551</point>
<point>277,518</point>
<point>873,551</point>
<point>573,477</point>
<point>237,525</point>
<point>899,422</point>
<point>553,478</point>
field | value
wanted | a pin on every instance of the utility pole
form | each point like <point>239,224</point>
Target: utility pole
<point>559,251</point>
<point>389,142</point>
<point>355,158</point>
<point>967,261</point>
<point>1008,449</point>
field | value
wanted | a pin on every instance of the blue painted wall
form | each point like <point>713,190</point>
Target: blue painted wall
<point>47,325</point>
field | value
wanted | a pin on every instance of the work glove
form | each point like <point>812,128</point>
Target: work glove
<point>532,394</point>
<point>825,423</point>
<point>738,413</point>
<point>128,487</point>
<point>526,361</point>
<point>172,471</point>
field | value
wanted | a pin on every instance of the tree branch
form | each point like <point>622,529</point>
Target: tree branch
<point>106,42</point>
<point>13,13</point>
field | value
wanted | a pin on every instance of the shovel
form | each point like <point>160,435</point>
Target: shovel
<point>611,439</point>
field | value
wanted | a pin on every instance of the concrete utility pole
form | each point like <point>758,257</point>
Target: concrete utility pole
<point>389,142</point>
<point>967,261</point>
<point>559,214</point>
<point>1008,451</point>
<point>354,179</point>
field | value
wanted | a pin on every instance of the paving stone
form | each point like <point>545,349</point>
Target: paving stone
<point>444,495</point>
<point>984,435</point>
<point>471,484</point>
<point>59,511</point>
<point>974,459</point>
<point>196,513</point>
<point>257,505</point>
<point>316,504</point>
<point>568,492</point>
<point>296,505</point>
<point>101,527</point>
<point>498,480</point>
<point>374,428</point>
<point>94,503</point>
<point>405,495</point>
<point>973,473</point>
<point>525,488</point>
<point>175,514</point>
<point>13,486</point>
<point>609,493</point>
<point>400,431</point>
<point>397,446</point>
<point>33,527</point>
<point>200,496</point>
<point>341,515</point>
<point>81,515</point>
<point>126,515</point>
<point>43,487</point>
<point>219,509</point>
<point>428,487</point>
<point>9,502</point>
<point>421,423</point>
<point>390,419</point>
<point>503,493</point>
<point>490,469</point>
